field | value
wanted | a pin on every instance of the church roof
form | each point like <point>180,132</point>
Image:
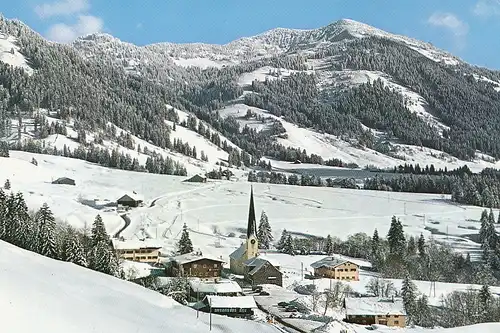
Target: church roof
<point>252,223</point>
<point>238,253</point>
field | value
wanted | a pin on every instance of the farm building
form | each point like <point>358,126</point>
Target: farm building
<point>197,179</point>
<point>64,181</point>
<point>375,310</point>
<point>195,265</point>
<point>130,200</point>
<point>334,268</point>
<point>241,306</point>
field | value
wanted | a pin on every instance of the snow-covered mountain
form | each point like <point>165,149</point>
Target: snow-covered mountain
<point>274,42</point>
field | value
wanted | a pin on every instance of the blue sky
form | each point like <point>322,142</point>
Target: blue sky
<point>467,28</point>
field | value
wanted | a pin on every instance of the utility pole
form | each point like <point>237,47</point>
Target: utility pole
<point>301,271</point>
<point>405,208</point>
<point>210,305</point>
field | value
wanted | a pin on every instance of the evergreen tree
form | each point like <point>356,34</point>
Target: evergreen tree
<point>98,232</point>
<point>409,294</point>
<point>46,240</point>
<point>281,242</point>
<point>264,232</point>
<point>396,237</point>
<point>75,252</point>
<point>485,300</point>
<point>422,315</point>
<point>288,247</point>
<point>3,214</point>
<point>375,243</point>
<point>7,184</point>
<point>185,245</point>
<point>329,245</point>
<point>412,246</point>
<point>101,258</point>
<point>421,245</point>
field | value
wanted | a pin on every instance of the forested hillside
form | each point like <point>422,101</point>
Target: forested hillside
<point>100,80</point>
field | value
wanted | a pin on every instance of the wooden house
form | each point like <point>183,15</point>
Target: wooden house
<point>130,200</point>
<point>195,265</point>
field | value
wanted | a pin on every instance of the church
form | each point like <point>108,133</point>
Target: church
<point>245,260</point>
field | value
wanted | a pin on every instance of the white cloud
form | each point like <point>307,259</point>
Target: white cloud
<point>450,22</point>
<point>487,8</point>
<point>62,8</point>
<point>64,33</point>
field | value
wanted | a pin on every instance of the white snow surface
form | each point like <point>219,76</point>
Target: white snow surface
<point>15,59</point>
<point>337,326</point>
<point>232,301</point>
<point>329,146</point>
<point>62,297</point>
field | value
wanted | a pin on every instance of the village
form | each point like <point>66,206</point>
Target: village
<point>251,284</point>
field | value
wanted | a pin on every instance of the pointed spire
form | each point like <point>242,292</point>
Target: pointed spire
<point>252,223</point>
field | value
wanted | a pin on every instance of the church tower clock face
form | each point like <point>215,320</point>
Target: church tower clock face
<point>252,241</point>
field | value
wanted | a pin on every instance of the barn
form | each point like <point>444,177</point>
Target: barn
<point>64,181</point>
<point>197,179</point>
<point>130,200</point>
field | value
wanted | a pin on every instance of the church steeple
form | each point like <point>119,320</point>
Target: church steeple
<point>252,223</point>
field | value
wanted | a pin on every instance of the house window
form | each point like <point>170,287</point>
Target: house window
<point>215,265</point>
<point>396,322</point>
<point>396,316</point>
<point>353,269</point>
<point>341,270</point>
<point>195,265</point>
<point>215,273</point>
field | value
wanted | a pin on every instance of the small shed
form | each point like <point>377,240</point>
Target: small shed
<point>197,179</point>
<point>130,200</point>
<point>64,181</point>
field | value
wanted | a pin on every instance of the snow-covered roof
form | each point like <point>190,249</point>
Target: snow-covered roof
<point>190,257</point>
<point>330,262</point>
<point>257,264</point>
<point>220,287</point>
<point>242,302</point>
<point>371,306</point>
<point>238,253</point>
<point>136,244</point>
<point>132,195</point>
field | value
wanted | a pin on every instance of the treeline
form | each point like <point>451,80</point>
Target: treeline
<point>299,180</point>
<point>481,189</point>
<point>155,163</point>
<point>39,232</point>
<point>427,170</point>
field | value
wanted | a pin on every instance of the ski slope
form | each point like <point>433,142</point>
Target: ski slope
<point>44,295</point>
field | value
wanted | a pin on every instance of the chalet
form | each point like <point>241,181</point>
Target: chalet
<point>245,260</point>
<point>64,181</point>
<point>135,250</point>
<point>195,265</point>
<point>199,288</point>
<point>197,179</point>
<point>334,268</point>
<point>241,306</point>
<point>375,310</point>
<point>130,200</point>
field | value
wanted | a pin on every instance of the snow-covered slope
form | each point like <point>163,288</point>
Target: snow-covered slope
<point>214,153</point>
<point>329,146</point>
<point>9,54</point>
<point>44,295</point>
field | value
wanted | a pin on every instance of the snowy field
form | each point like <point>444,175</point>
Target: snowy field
<point>62,297</point>
<point>9,54</point>
<point>216,209</point>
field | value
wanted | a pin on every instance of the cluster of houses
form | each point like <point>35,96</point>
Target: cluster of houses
<point>209,291</point>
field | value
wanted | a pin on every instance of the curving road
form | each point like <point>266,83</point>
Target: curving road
<point>127,223</point>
